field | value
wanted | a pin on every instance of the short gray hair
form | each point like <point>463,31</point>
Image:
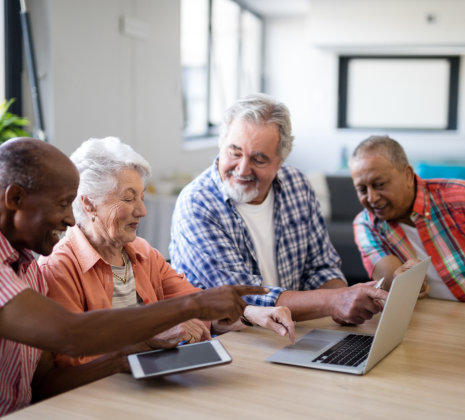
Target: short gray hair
<point>384,146</point>
<point>261,109</point>
<point>98,162</point>
<point>22,163</point>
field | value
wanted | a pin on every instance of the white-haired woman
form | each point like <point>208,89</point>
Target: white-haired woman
<point>101,263</point>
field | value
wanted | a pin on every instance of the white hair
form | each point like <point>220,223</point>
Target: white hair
<point>259,108</point>
<point>98,162</point>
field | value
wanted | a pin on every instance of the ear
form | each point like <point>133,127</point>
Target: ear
<point>87,204</point>
<point>14,197</point>
<point>410,173</point>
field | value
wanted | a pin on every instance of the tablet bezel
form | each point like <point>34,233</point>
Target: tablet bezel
<point>138,372</point>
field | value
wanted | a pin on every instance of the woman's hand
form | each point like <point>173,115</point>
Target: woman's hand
<point>191,331</point>
<point>276,318</point>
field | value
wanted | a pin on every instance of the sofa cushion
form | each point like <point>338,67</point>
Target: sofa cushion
<point>343,198</point>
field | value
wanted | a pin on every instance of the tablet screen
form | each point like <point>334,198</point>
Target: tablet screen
<point>182,358</point>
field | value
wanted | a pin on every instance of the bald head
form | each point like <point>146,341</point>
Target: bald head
<point>38,184</point>
<point>32,163</point>
<point>383,146</point>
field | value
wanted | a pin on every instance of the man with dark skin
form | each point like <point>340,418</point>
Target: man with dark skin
<point>38,183</point>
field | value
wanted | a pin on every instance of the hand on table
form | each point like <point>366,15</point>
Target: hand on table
<point>276,318</point>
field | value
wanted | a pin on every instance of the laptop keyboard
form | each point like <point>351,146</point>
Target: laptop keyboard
<point>350,351</point>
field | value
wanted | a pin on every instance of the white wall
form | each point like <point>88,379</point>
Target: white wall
<point>302,65</point>
<point>96,81</point>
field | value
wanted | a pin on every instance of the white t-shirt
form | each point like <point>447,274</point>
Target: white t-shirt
<point>259,221</point>
<point>438,289</point>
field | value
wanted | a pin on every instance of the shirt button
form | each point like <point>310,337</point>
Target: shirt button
<point>427,214</point>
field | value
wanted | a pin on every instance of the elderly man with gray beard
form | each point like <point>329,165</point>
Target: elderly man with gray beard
<point>251,219</point>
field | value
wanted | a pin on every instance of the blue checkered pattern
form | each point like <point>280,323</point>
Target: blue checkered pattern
<point>211,245</point>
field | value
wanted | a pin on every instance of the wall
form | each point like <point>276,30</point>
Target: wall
<point>97,81</point>
<point>305,50</point>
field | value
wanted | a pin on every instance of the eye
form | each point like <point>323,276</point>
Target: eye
<point>234,153</point>
<point>260,162</point>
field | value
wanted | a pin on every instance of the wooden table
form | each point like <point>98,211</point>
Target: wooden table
<point>423,378</point>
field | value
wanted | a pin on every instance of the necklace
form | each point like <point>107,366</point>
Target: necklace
<point>126,271</point>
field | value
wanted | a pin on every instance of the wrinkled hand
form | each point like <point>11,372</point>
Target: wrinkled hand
<point>192,331</point>
<point>147,345</point>
<point>356,304</point>
<point>224,303</point>
<point>424,291</point>
<point>275,318</point>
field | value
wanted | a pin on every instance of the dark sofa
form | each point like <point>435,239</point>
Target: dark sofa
<point>344,207</point>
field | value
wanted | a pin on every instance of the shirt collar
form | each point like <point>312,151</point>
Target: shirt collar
<point>422,203</point>
<point>86,254</point>
<point>10,255</point>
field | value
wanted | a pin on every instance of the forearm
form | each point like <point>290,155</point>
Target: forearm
<point>333,284</point>
<point>61,379</point>
<point>50,327</point>
<point>385,267</point>
<point>309,304</point>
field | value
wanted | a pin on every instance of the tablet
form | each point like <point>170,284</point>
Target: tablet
<point>180,359</point>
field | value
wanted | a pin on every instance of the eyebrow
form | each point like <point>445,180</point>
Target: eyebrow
<point>255,154</point>
<point>130,190</point>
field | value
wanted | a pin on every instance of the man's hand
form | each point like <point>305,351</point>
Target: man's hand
<point>276,318</point>
<point>224,303</point>
<point>191,331</point>
<point>424,291</point>
<point>356,304</point>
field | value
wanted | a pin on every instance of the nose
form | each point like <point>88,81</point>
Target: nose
<point>140,210</point>
<point>69,217</point>
<point>372,196</point>
<point>243,167</point>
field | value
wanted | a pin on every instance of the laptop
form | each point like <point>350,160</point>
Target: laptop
<point>349,352</point>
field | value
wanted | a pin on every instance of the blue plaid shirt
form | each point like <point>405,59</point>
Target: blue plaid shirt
<point>212,246</point>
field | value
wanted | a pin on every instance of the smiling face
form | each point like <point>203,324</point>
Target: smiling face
<point>41,216</point>
<point>249,160</point>
<point>118,216</point>
<point>383,189</point>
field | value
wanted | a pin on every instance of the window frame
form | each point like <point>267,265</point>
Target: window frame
<point>210,128</point>
<point>13,49</point>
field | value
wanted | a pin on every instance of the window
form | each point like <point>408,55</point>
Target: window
<point>12,54</point>
<point>221,59</point>
<point>398,92</point>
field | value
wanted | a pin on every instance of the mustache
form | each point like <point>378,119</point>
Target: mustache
<point>242,178</point>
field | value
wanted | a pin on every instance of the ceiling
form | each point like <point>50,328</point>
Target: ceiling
<point>278,8</point>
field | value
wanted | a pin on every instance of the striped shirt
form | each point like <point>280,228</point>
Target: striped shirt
<point>212,246</point>
<point>439,215</point>
<point>17,361</point>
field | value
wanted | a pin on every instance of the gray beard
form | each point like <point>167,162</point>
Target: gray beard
<point>238,193</point>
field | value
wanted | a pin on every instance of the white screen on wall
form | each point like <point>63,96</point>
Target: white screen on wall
<point>398,93</point>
